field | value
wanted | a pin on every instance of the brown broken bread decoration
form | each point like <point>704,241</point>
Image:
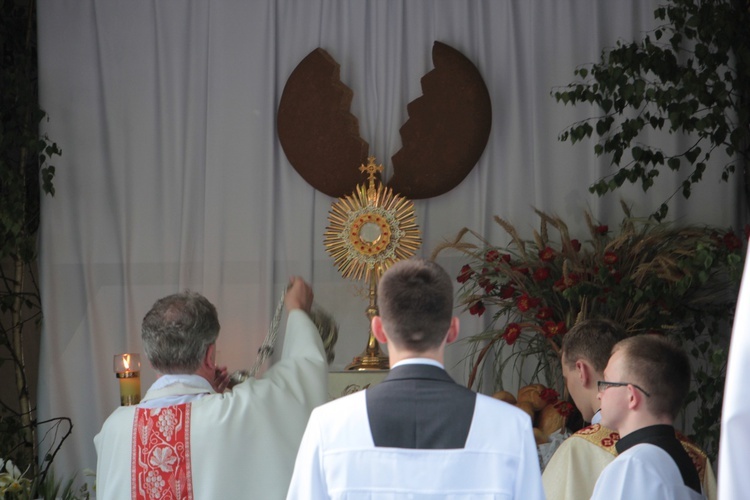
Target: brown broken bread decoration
<point>447,130</point>
<point>444,137</point>
<point>319,135</point>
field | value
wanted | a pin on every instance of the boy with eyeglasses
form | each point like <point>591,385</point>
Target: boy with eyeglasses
<point>572,471</point>
<point>645,385</point>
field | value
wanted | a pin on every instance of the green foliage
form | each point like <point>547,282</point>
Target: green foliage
<point>24,156</point>
<point>25,172</point>
<point>691,75</point>
<point>649,277</point>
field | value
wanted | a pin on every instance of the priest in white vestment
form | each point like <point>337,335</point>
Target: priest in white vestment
<point>190,439</point>
<point>417,434</point>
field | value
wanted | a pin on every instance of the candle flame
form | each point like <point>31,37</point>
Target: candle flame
<point>126,361</point>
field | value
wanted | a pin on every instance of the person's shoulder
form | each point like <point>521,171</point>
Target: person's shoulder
<point>343,405</point>
<point>118,422</point>
<point>499,427</point>
<point>342,420</point>
<point>597,435</point>
<point>696,454</point>
<point>123,413</point>
<point>635,473</point>
<point>645,451</point>
<point>648,464</point>
<point>590,445</point>
<point>649,456</point>
<point>650,461</point>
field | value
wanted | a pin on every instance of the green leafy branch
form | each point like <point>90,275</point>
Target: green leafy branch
<point>692,77</point>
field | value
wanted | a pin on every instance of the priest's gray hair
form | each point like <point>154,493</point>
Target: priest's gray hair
<point>177,331</point>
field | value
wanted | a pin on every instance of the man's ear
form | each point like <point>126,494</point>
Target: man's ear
<point>453,331</point>
<point>209,359</point>
<point>377,330</point>
<point>584,373</point>
<point>635,398</point>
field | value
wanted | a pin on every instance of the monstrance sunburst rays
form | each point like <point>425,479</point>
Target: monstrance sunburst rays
<point>369,230</point>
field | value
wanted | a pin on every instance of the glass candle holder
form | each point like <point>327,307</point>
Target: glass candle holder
<point>128,372</point>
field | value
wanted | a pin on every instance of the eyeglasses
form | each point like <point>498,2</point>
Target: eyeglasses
<point>603,385</point>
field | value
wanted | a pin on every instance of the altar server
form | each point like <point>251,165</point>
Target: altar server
<point>645,384</point>
<point>417,433</point>
<point>572,471</point>
<point>188,439</point>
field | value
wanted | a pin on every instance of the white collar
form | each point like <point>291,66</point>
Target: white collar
<point>597,417</point>
<point>419,361</point>
<point>176,389</point>
<point>190,380</point>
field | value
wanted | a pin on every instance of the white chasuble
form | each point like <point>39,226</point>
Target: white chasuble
<point>240,444</point>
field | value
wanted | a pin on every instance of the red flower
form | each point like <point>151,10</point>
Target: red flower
<point>544,313</point>
<point>732,242</point>
<point>477,308</point>
<point>547,254</point>
<point>602,229</point>
<point>524,302</point>
<point>485,282</point>
<point>492,256</point>
<point>465,274</point>
<point>551,328</point>
<point>549,395</point>
<point>521,270</point>
<point>576,245</point>
<point>507,291</point>
<point>512,331</point>
<point>560,285</point>
<point>563,408</point>
<point>572,279</point>
<point>506,258</point>
<point>610,258</point>
<point>541,274</point>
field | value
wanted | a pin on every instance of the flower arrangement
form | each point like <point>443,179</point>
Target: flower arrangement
<point>12,480</point>
<point>15,484</point>
<point>649,277</point>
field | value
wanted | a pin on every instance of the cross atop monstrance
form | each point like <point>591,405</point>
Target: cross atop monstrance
<point>368,231</point>
<point>371,168</point>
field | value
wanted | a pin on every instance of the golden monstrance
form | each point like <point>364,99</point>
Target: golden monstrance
<point>369,231</point>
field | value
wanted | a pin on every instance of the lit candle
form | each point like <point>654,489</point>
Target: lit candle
<point>128,372</point>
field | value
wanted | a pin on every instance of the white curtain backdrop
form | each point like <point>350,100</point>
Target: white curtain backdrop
<point>172,175</point>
